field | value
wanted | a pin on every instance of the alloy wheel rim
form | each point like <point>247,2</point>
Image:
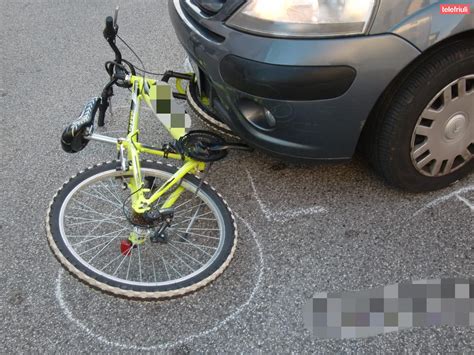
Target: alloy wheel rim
<point>443,137</point>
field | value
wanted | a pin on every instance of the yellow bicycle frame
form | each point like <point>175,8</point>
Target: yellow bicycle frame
<point>158,96</point>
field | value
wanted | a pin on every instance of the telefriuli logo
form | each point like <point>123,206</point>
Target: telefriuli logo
<point>455,9</point>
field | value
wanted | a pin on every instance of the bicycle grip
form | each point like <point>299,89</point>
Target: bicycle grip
<point>109,30</point>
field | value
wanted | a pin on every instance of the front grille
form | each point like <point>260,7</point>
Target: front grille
<point>210,7</point>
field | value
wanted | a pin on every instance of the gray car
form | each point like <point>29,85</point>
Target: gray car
<point>317,79</point>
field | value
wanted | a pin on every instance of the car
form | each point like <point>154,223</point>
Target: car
<point>318,80</point>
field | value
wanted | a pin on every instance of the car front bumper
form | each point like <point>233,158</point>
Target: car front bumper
<point>315,94</point>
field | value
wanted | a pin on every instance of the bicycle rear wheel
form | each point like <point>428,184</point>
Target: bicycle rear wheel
<point>91,232</point>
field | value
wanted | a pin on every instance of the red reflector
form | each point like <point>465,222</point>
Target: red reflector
<point>126,247</point>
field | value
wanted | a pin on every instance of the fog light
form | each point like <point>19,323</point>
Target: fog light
<point>258,115</point>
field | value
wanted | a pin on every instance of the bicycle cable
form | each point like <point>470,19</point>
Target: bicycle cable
<point>143,69</point>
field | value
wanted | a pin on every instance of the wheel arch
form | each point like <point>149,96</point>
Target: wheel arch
<point>375,114</point>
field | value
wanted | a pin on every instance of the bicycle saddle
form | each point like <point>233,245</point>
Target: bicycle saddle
<point>73,138</point>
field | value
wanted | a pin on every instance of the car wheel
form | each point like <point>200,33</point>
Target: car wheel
<point>424,139</point>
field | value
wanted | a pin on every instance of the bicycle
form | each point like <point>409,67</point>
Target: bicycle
<point>135,228</point>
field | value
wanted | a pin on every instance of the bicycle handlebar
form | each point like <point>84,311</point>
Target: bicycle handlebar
<point>109,31</point>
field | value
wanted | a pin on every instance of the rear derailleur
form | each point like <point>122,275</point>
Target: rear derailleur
<point>152,224</point>
<point>164,219</point>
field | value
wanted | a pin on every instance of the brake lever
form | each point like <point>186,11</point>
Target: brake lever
<point>104,102</point>
<point>116,18</point>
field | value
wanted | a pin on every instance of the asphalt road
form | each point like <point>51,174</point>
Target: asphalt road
<point>303,229</point>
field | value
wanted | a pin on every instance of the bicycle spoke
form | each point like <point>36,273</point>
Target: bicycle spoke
<point>111,262</point>
<point>90,209</point>
<point>176,271</point>
<point>205,214</point>
<point>193,219</point>
<point>187,243</point>
<point>93,248</point>
<point>102,221</point>
<point>106,221</point>
<point>91,238</point>
<point>200,229</point>
<point>87,236</point>
<point>189,209</point>
<point>189,200</point>
<point>98,191</point>
<point>184,262</point>
<point>97,226</point>
<point>101,198</point>
<point>97,220</point>
<point>194,245</point>
<point>123,259</point>
<point>196,234</point>
<point>197,219</point>
<point>165,265</point>
<point>113,195</point>
<point>129,262</point>
<point>85,208</point>
<point>107,217</point>
<point>139,262</point>
<point>93,220</point>
<point>189,256</point>
<point>154,271</point>
<point>117,236</point>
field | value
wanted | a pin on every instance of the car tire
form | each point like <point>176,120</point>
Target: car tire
<point>392,140</point>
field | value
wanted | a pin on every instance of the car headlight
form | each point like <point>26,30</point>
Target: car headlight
<point>304,18</point>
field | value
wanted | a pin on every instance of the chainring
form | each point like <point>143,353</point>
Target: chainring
<point>198,145</point>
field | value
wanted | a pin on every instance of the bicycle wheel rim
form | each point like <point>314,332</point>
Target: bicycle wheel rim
<point>164,175</point>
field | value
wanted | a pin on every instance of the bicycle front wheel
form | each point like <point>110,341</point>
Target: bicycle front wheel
<point>91,232</point>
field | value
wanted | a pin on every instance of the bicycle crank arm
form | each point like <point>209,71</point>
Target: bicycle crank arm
<point>231,146</point>
<point>181,95</point>
<point>172,74</point>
